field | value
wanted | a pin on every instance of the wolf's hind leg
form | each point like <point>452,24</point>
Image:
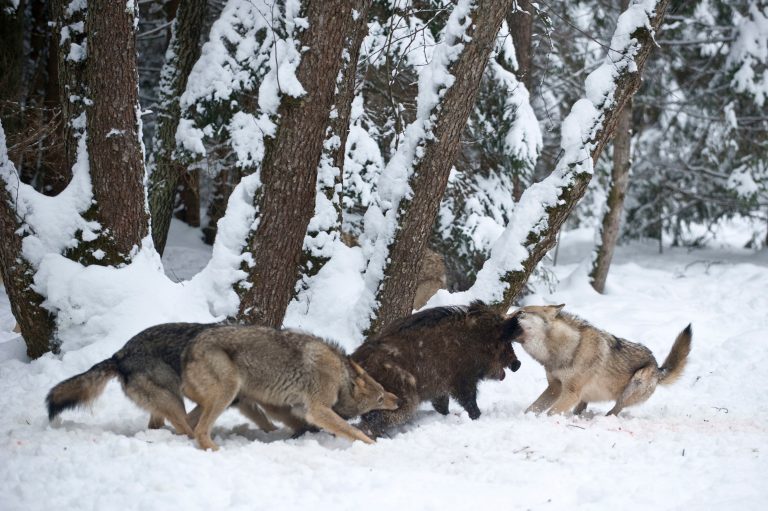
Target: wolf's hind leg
<point>212,382</point>
<point>252,410</point>
<point>156,421</point>
<point>160,396</point>
<point>639,388</point>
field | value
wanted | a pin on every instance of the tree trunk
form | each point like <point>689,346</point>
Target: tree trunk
<point>35,322</point>
<point>223,184</point>
<point>520,23</point>
<point>12,74</point>
<point>286,199</point>
<point>609,232</point>
<point>188,209</point>
<point>543,231</point>
<point>69,35</point>
<point>114,139</point>
<point>430,175</point>
<point>324,233</point>
<point>184,50</point>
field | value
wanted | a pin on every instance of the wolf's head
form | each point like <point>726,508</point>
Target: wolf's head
<point>531,325</point>
<point>366,394</point>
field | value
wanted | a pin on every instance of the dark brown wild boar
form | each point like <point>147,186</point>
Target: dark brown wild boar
<point>434,354</point>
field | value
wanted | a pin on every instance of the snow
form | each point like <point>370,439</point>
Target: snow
<point>699,444</point>
<point>749,54</point>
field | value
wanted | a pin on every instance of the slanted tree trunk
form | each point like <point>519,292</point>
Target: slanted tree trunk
<point>609,230</point>
<point>430,174</point>
<point>114,140</point>
<point>35,322</point>
<point>507,275</point>
<point>286,199</point>
<point>166,172</point>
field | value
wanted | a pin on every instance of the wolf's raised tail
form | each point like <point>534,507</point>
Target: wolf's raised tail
<point>673,366</point>
<point>80,390</point>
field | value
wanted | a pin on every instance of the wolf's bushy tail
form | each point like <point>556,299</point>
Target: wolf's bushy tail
<point>80,390</point>
<point>673,366</point>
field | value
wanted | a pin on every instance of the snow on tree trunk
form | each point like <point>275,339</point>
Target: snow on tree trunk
<point>324,230</point>
<point>286,199</point>
<point>115,149</point>
<point>543,208</point>
<point>69,33</point>
<point>165,172</point>
<point>412,185</point>
<point>520,23</point>
<point>35,322</point>
<point>617,189</point>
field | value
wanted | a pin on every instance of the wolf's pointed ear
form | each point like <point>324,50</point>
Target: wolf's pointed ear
<point>359,370</point>
<point>558,308</point>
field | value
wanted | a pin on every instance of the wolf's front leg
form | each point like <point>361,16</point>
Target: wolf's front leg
<point>324,417</point>
<point>545,400</point>
<point>567,400</point>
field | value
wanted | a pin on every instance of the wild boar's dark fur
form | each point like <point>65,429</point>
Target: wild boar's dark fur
<point>434,354</point>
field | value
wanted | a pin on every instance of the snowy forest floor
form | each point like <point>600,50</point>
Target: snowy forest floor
<point>699,444</point>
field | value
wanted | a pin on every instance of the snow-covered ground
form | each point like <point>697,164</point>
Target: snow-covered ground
<point>700,444</point>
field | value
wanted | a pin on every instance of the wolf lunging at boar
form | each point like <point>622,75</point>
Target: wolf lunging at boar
<point>295,377</point>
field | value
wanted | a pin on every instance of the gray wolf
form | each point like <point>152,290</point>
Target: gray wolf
<point>295,377</point>
<point>152,365</point>
<point>585,364</point>
<point>434,354</point>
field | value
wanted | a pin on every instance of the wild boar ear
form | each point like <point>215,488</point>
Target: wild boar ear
<point>359,370</point>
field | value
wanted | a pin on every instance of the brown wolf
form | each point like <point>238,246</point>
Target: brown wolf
<point>153,369</point>
<point>434,354</point>
<point>586,364</point>
<point>294,376</point>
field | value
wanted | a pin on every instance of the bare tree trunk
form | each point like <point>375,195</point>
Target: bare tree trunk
<point>184,50</point>
<point>541,238</point>
<point>114,140</point>
<point>223,184</point>
<point>609,232</point>
<point>35,322</point>
<point>520,23</point>
<point>398,288</point>
<point>188,210</point>
<point>289,168</point>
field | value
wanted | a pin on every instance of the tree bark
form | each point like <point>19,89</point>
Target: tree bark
<point>286,199</point>
<point>338,128</point>
<point>520,23</point>
<point>69,37</point>
<point>430,177</point>
<point>540,241</point>
<point>114,140</point>
<point>609,232</point>
<point>35,322</point>
<point>184,51</point>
